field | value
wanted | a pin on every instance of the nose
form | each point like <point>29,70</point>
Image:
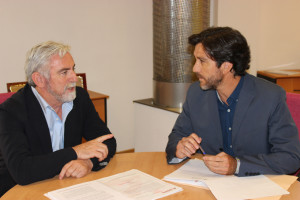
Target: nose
<point>196,67</point>
<point>73,77</point>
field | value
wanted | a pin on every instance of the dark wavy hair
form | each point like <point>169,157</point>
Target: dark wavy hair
<point>224,44</point>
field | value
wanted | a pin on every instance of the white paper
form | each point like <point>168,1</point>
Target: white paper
<point>233,188</point>
<point>132,184</point>
<point>86,191</point>
<point>194,172</point>
<point>138,185</point>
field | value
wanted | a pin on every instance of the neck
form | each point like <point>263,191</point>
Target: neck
<point>227,86</point>
<point>51,100</point>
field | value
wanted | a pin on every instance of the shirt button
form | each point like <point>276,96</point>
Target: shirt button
<point>228,110</point>
<point>229,128</point>
<point>230,146</point>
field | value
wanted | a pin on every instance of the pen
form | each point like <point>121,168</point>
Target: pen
<point>203,152</point>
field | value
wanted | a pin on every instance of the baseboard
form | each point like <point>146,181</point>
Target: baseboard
<point>126,151</point>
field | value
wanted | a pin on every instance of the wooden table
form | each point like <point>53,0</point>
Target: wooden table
<point>290,83</point>
<point>153,163</point>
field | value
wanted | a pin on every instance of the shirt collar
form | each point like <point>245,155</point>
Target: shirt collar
<point>45,105</point>
<point>235,94</point>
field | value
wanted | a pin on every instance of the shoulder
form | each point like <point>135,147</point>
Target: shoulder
<point>16,106</point>
<point>16,101</point>
<point>82,97</point>
<point>263,87</point>
<point>81,93</point>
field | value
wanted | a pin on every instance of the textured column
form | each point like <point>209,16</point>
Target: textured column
<point>173,22</point>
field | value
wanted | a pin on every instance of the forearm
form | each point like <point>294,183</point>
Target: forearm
<point>111,146</point>
<point>30,169</point>
<point>274,163</point>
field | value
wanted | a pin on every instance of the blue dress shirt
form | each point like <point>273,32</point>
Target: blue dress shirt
<point>226,113</point>
<point>55,124</point>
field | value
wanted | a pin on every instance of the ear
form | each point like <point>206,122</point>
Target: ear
<point>226,67</point>
<point>38,79</point>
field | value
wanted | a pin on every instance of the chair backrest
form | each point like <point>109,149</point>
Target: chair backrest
<point>15,86</point>
<point>293,102</point>
<point>4,96</point>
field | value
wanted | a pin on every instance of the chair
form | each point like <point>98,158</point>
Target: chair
<point>293,102</point>
<point>4,96</point>
<point>15,86</point>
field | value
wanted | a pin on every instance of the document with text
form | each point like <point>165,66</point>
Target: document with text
<point>132,184</point>
<point>195,173</point>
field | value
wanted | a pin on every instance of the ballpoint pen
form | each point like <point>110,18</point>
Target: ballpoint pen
<point>203,152</point>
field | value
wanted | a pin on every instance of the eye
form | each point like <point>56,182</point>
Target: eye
<point>64,72</point>
<point>201,60</point>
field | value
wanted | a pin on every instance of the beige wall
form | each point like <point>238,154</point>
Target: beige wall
<point>270,26</point>
<point>111,41</point>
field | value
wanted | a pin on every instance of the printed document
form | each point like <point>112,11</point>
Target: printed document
<point>195,173</point>
<point>132,184</point>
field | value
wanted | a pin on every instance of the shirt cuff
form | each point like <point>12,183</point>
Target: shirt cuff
<point>176,160</point>
<point>238,164</point>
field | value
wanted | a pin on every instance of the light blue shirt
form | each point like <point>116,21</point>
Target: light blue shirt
<point>55,124</point>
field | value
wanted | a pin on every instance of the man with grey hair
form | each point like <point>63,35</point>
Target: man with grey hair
<point>42,125</point>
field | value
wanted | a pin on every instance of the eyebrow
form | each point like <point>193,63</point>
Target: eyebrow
<point>63,69</point>
<point>202,58</point>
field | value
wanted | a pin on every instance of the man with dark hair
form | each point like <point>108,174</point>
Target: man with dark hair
<point>242,122</point>
<point>42,125</point>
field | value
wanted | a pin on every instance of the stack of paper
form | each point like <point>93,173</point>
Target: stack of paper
<point>132,184</point>
<point>194,172</point>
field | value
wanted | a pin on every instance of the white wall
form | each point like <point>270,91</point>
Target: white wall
<point>152,128</point>
<point>270,26</point>
<point>111,41</point>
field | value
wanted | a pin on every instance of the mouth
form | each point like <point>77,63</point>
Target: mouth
<point>200,78</point>
<point>71,87</point>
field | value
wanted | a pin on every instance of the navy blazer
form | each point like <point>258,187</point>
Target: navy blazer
<point>25,143</point>
<point>264,135</point>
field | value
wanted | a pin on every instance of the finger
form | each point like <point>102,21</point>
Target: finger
<point>196,138</point>
<point>63,171</point>
<point>213,158</point>
<point>190,147</point>
<point>104,137</point>
<point>222,154</point>
<point>70,170</point>
<point>186,153</point>
<point>75,173</point>
<point>212,164</point>
<point>193,141</point>
<point>103,149</point>
<point>97,154</point>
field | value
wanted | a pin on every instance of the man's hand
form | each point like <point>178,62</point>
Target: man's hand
<point>93,148</point>
<point>221,163</point>
<point>188,146</point>
<point>76,168</point>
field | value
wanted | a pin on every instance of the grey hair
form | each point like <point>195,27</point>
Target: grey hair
<point>37,59</point>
